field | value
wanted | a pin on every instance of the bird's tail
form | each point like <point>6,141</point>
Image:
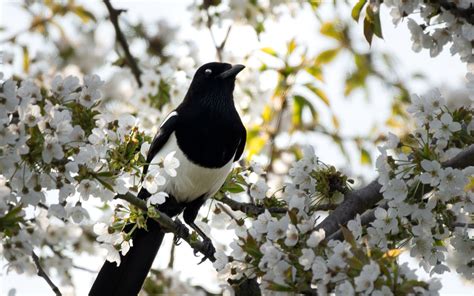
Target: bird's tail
<point>128,277</point>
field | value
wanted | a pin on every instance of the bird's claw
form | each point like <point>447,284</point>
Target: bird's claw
<point>183,231</point>
<point>208,250</point>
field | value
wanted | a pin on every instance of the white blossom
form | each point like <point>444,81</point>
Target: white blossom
<point>291,235</point>
<point>156,199</point>
<point>259,189</point>
<point>153,180</point>
<point>306,259</point>
<point>170,164</point>
<point>315,238</point>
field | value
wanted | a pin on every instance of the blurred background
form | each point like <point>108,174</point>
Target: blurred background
<point>311,79</point>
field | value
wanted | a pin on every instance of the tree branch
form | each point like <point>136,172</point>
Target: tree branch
<point>255,210</point>
<point>131,62</point>
<point>43,274</point>
<point>467,225</point>
<point>465,13</point>
<point>219,47</point>
<point>358,201</point>
<point>249,208</point>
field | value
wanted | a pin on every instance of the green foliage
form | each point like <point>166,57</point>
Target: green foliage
<point>372,24</point>
<point>84,117</point>
<point>126,156</point>
<point>235,183</point>
<point>11,221</point>
<point>162,95</point>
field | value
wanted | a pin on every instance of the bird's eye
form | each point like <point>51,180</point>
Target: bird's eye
<point>208,72</point>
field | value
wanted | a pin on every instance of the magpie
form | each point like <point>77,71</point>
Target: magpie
<point>207,135</point>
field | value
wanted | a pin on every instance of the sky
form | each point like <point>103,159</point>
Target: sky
<point>444,71</point>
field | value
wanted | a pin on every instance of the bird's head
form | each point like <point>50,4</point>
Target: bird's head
<point>214,81</point>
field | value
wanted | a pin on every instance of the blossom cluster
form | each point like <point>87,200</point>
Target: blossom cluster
<point>443,22</point>
<point>290,254</point>
<point>253,13</point>
<point>426,207</point>
<point>56,139</point>
<point>428,204</point>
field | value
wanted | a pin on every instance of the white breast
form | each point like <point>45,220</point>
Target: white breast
<point>192,180</point>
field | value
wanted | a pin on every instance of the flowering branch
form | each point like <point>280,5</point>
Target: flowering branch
<point>358,201</point>
<point>170,226</point>
<point>43,274</point>
<point>131,62</point>
<point>166,222</point>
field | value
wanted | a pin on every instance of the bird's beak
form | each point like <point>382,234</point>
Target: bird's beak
<point>232,71</point>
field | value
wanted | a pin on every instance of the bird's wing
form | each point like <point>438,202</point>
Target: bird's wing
<point>240,148</point>
<point>166,129</point>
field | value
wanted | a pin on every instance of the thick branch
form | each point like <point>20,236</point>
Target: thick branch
<point>254,210</point>
<point>43,274</point>
<point>131,62</point>
<point>358,201</point>
<point>466,13</point>
<point>249,208</point>
<point>166,222</point>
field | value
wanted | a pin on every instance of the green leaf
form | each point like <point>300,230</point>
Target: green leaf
<point>278,287</point>
<point>357,9</point>
<point>368,32</point>
<point>335,121</point>
<point>251,247</point>
<point>84,14</point>
<point>327,56</point>
<point>162,95</point>
<point>291,46</point>
<point>296,117</point>
<point>233,188</point>
<point>316,72</point>
<point>319,93</point>
<point>26,59</point>
<point>299,104</point>
<point>329,29</point>
<point>365,157</point>
<point>314,4</point>
<point>105,184</point>
<point>270,51</point>
<point>10,223</point>
<point>376,24</point>
<point>348,237</point>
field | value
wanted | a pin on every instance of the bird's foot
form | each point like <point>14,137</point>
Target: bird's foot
<point>183,231</point>
<point>208,250</point>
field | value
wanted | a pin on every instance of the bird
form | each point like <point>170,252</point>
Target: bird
<point>206,135</point>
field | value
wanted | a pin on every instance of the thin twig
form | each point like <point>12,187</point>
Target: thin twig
<point>171,262</point>
<point>219,47</point>
<point>225,210</point>
<point>131,62</point>
<point>61,256</point>
<point>279,120</point>
<point>43,274</point>
<point>467,225</point>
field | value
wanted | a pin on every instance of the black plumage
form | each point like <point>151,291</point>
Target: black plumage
<point>208,134</point>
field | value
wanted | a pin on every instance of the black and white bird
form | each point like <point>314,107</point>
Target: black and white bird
<point>207,135</point>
